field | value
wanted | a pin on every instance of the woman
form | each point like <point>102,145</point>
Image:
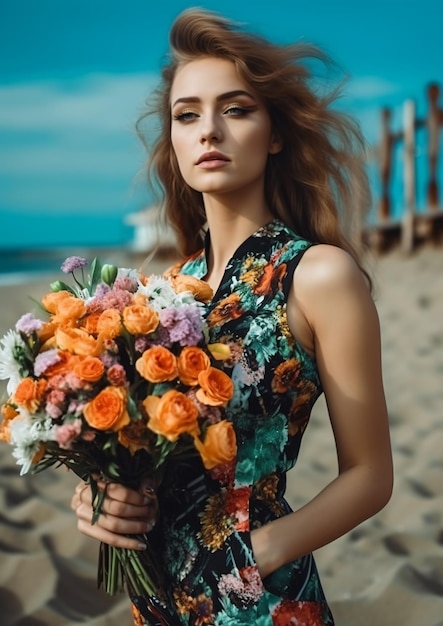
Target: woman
<point>249,153</point>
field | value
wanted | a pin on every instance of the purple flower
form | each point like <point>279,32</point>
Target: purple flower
<point>142,343</point>
<point>102,289</point>
<point>184,324</point>
<point>44,360</point>
<point>28,324</point>
<point>72,263</point>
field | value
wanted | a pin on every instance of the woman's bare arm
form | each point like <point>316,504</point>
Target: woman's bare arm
<point>332,296</point>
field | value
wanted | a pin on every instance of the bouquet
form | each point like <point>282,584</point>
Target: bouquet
<point>115,380</point>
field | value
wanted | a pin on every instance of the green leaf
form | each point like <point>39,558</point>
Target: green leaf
<point>95,276</point>
<point>133,410</point>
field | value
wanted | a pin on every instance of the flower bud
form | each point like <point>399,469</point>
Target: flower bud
<point>109,274</point>
<point>57,285</point>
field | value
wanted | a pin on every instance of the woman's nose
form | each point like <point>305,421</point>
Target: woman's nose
<point>210,131</point>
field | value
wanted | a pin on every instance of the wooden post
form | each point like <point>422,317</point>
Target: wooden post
<point>407,235</point>
<point>433,127</point>
<point>384,207</point>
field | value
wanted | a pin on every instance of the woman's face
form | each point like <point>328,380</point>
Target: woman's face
<point>220,132</point>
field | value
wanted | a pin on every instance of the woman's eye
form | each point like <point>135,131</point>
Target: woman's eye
<point>237,110</point>
<point>185,116</point>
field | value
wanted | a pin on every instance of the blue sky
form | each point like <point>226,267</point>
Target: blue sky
<point>74,76</point>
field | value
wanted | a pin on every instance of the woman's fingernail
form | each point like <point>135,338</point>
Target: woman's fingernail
<point>141,546</point>
<point>149,526</point>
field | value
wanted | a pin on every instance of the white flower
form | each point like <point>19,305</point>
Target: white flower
<point>10,344</point>
<point>26,433</point>
<point>160,293</point>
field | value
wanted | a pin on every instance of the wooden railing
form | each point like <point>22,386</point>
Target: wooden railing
<point>415,224</point>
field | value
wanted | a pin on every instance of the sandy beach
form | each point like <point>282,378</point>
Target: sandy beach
<point>387,572</point>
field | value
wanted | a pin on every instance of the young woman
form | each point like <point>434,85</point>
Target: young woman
<point>258,174</point>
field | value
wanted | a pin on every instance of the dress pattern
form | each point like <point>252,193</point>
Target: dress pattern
<point>207,517</point>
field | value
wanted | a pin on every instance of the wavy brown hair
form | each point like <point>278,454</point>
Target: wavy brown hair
<point>316,184</point>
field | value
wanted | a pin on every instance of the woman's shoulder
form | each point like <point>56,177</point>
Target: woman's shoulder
<point>329,278</point>
<point>328,266</point>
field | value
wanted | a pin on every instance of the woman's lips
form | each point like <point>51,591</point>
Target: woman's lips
<point>212,160</point>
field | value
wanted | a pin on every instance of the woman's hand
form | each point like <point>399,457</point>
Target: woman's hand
<point>124,512</point>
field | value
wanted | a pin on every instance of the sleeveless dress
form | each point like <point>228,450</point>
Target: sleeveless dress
<point>203,535</point>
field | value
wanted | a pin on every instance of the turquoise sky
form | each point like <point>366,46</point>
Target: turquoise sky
<point>74,75</point>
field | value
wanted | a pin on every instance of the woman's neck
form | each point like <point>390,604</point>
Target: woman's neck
<point>230,226</point>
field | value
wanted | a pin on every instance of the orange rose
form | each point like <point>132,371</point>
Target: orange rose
<point>47,331</point>
<point>69,310</point>
<point>133,436</point>
<point>157,365</point>
<point>77,341</point>
<point>63,366</point>
<point>190,363</point>
<point>216,387</point>
<point>199,288</point>
<point>109,324</point>
<point>89,323</point>
<point>51,301</point>
<point>29,393</point>
<point>172,414</point>
<point>90,369</point>
<point>107,411</point>
<point>219,446</point>
<point>139,319</point>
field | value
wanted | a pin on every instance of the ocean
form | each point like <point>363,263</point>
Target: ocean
<point>19,266</point>
<point>36,244</point>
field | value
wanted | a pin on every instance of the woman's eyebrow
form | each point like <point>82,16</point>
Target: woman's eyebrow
<point>221,97</point>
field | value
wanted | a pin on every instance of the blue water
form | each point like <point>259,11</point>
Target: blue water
<point>41,243</point>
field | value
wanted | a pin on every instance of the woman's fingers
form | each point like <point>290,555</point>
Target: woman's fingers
<point>123,512</point>
<point>113,539</point>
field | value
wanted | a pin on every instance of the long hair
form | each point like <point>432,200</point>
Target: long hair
<point>316,184</point>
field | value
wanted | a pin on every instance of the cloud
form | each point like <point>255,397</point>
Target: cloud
<point>97,102</point>
<point>71,143</point>
<point>367,88</point>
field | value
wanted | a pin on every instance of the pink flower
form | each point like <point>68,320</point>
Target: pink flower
<point>55,403</point>
<point>73,382</point>
<point>28,324</point>
<point>67,433</point>
<point>76,406</point>
<point>126,283</point>
<point>53,410</point>
<point>116,375</point>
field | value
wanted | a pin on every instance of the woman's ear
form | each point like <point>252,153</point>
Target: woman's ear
<point>276,144</point>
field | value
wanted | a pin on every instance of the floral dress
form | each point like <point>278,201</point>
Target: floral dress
<point>207,516</point>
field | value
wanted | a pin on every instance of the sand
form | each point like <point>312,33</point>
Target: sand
<point>387,572</point>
